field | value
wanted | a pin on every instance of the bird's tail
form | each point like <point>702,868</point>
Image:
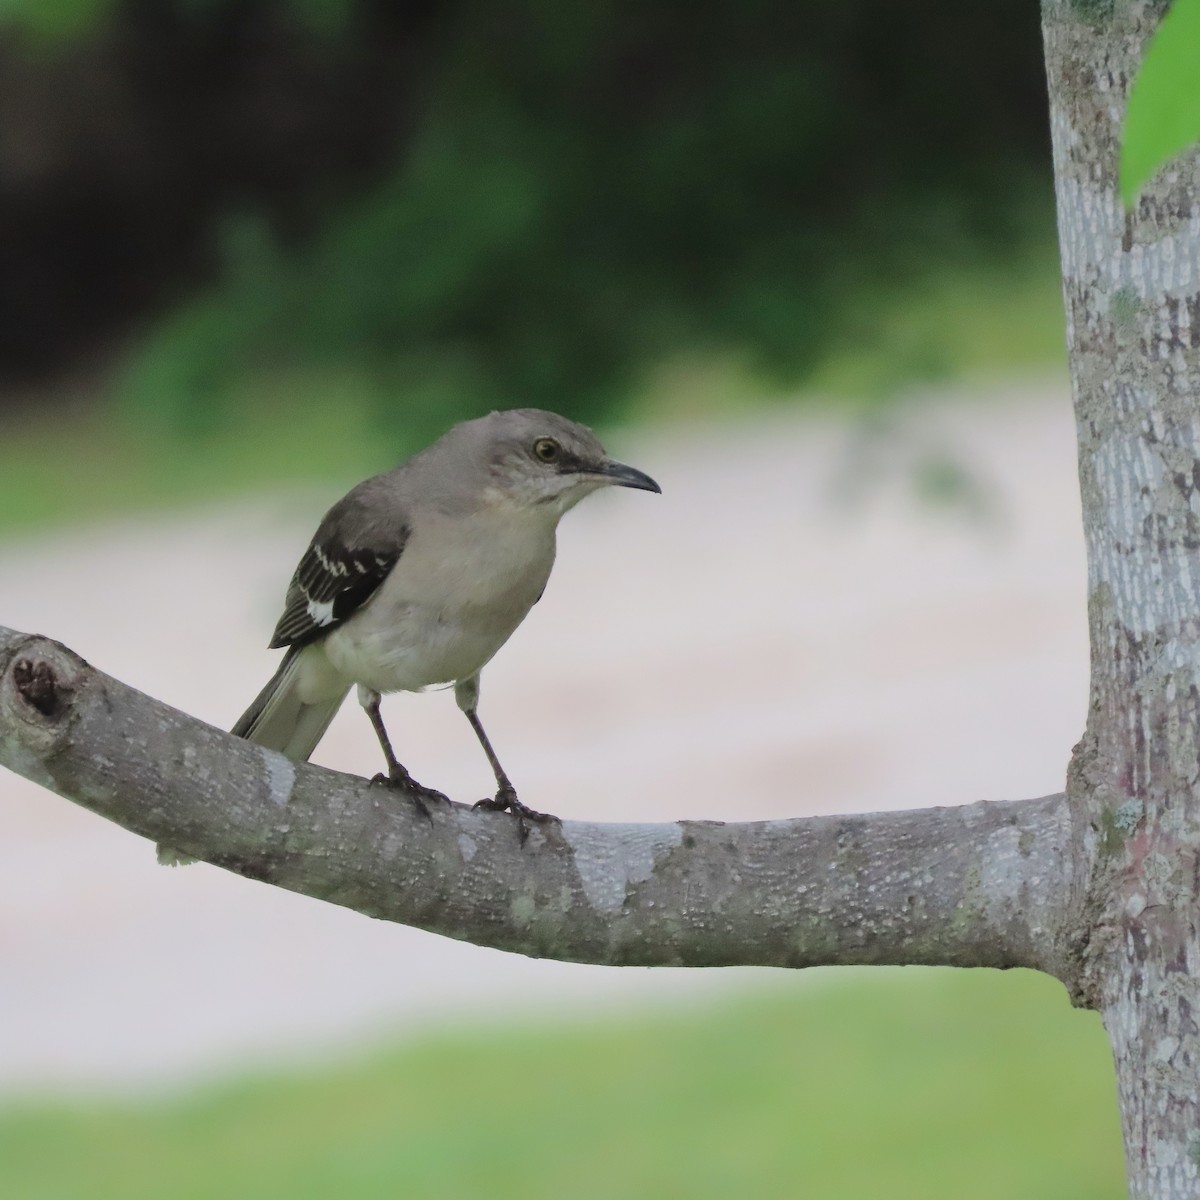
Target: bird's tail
<point>280,720</point>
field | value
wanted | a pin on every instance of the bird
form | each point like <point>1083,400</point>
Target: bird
<point>418,576</point>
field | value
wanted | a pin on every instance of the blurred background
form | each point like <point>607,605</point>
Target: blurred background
<point>799,265</point>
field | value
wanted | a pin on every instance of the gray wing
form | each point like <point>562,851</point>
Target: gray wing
<point>351,555</point>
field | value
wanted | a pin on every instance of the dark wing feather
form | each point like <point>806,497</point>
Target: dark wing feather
<point>338,574</point>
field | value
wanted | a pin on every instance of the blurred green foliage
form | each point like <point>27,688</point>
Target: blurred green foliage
<point>608,209</point>
<point>53,19</point>
<point>909,1084</point>
<point>56,20</point>
<point>321,426</point>
<point>588,190</point>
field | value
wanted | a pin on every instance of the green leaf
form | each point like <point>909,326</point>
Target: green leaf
<point>1163,116</point>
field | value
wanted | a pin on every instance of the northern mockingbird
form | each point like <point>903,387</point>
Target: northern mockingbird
<point>419,575</point>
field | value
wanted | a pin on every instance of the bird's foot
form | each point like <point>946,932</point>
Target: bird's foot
<point>421,796</point>
<point>505,800</point>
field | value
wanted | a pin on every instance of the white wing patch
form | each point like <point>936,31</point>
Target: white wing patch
<point>321,614</point>
<point>331,583</point>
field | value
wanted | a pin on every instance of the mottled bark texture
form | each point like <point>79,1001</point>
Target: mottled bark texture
<point>979,885</point>
<point>1131,285</point>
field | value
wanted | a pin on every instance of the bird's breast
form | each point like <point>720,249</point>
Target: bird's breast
<point>457,594</point>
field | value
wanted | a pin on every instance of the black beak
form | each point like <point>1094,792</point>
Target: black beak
<point>623,476</point>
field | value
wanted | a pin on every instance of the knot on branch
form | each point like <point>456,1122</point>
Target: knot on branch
<point>38,690</point>
<point>38,685</point>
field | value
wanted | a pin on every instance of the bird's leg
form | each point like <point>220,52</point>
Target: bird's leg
<point>397,776</point>
<point>397,773</point>
<point>466,692</point>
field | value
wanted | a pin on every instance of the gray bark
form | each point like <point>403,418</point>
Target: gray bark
<point>981,885</point>
<point>1132,292</point>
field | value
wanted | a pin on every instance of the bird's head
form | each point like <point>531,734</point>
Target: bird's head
<point>537,458</point>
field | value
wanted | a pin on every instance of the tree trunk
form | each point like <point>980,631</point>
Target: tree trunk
<point>1131,285</point>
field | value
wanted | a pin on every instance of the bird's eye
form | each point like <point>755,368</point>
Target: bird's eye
<point>547,449</point>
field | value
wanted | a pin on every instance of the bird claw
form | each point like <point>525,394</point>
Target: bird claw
<point>402,781</point>
<point>505,800</point>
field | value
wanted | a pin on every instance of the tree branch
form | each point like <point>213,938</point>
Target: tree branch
<point>982,885</point>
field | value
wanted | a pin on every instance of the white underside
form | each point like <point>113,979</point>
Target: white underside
<point>456,596</point>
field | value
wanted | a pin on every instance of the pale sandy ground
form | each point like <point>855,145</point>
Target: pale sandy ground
<point>743,646</point>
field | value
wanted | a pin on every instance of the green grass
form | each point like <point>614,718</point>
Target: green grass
<point>985,322</point>
<point>892,1083</point>
<point>992,321</point>
<point>966,327</point>
<point>87,463</point>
